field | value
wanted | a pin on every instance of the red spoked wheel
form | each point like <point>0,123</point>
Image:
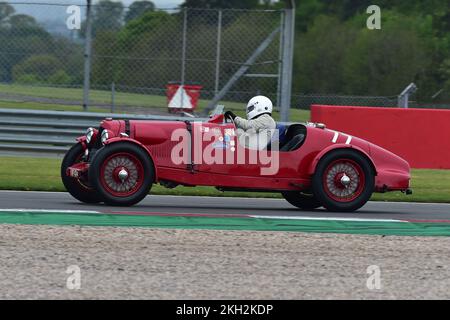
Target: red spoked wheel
<point>122,173</point>
<point>80,188</point>
<point>344,180</point>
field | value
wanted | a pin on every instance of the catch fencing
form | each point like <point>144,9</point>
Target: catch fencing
<point>124,57</point>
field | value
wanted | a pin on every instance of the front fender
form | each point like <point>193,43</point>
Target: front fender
<point>125,139</point>
<point>313,165</point>
<point>83,142</point>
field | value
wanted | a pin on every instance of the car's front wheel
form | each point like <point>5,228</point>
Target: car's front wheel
<point>122,173</point>
<point>80,188</point>
<point>343,181</point>
<point>301,200</point>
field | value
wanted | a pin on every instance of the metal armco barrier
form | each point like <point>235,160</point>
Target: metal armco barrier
<point>37,131</point>
<point>420,136</point>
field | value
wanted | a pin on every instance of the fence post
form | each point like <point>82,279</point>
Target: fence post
<point>280,61</point>
<point>87,56</point>
<point>183,54</point>
<point>288,57</point>
<point>403,98</point>
<point>219,40</point>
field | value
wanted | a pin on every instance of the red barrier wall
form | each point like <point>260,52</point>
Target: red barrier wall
<point>420,136</point>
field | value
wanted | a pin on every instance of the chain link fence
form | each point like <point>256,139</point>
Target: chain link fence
<point>138,51</point>
<point>304,101</point>
<point>135,54</point>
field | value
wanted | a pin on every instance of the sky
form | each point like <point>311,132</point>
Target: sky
<point>158,3</point>
<point>53,17</point>
<point>48,13</point>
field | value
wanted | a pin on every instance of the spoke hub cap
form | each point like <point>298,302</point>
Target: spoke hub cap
<point>344,180</point>
<point>122,174</point>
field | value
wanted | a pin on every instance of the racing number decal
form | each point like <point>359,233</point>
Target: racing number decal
<point>336,136</point>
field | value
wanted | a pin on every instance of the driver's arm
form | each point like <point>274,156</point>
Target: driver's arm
<point>245,124</point>
<point>264,122</point>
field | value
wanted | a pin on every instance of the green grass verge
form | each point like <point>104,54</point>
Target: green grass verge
<point>42,174</point>
<point>99,96</point>
<point>121,98</point>
<point>42,106</point>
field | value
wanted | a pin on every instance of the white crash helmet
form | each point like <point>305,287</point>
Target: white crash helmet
<point>258,105</point>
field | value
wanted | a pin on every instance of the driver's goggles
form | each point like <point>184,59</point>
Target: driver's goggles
<point>250,108</point>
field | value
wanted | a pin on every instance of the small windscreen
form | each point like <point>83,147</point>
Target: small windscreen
<point>217,110</point>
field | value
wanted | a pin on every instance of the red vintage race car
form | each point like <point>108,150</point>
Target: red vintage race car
<point>311,167</point>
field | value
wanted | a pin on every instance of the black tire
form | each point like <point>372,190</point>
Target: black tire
<point>139,165</point>
<point>79,189</point>
<point>362,178</point>
<point>301,200</point>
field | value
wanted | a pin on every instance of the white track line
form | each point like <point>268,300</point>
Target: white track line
<point>20,191</point>
<point>48,210</point>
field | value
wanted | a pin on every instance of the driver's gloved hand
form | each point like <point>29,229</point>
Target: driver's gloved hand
<point>230,115</point>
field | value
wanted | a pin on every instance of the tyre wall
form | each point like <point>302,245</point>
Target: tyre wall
<point>420,136</point>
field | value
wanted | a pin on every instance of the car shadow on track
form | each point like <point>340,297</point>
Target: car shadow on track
<point>234,209</point>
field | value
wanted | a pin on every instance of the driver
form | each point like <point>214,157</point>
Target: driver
<point>256,131</point>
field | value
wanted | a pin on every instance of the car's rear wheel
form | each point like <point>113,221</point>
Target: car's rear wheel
<point>301,200</point>
<point>80,188</point>
<point>344,180</point>
<point>122,173</point>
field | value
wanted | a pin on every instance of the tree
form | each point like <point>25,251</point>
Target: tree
<point>23,21</point>
<point>307,11</point>
<point>137,9</point>
<point>40,69</point>
<point>149,43</point>
<point>21,37</point>
<point>319,55</point>
<point>445,70</point>
<point>223,4</point>
<point>6,10</point>
<point>107,16</point>
<point>384,63</point>
<point>345,9</point>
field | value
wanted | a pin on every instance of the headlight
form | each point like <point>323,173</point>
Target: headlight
<point>105,136</point>
<point>89,134</point>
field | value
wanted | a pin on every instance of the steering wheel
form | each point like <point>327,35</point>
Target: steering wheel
<point>228,120</point>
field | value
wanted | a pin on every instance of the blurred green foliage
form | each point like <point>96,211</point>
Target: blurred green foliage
<point>335,53</point>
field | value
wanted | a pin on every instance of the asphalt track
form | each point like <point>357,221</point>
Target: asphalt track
<point>224,206</point>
